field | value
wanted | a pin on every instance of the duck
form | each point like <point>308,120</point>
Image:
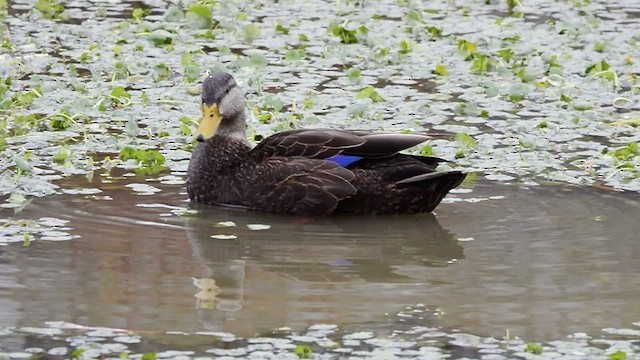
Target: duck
<point>307,172</point>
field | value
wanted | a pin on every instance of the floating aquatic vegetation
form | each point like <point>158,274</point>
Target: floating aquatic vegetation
<point>26,231</point>
<point>73,96</point>
<point>224,237</point>
<point>257,227</point>
<point>149,161</point>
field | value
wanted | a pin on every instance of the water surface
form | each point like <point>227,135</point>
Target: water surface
<point>542,262</point>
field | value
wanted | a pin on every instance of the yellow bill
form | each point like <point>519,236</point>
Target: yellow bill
<point>209,123</point>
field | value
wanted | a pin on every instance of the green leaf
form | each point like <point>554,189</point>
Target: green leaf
<point>119,92</point>
<point>467,48</point>
<point>185,130</point>
<point>346,36</point>
<point>518,92</point>
<point>353,74</point>
<point>618,355</point>
<point>626,153</point>
<point>173,14</point>
<point>258,60</point>
<point>358,109</point>
<point>76,353</point>
<point>426,150</point>
<point>127,153</point>
<point>44,6</point>
<point>582,105</point>
<point>480,63</point>
<point>121,70</point>
<point>60,121</point>
<point>511,39</point>
<point>601,69</point>
<point>24,98</point>
<point>22,163</point>
<point>250,32</point>
<point>515,98</point>
<point>272,102</point>
<point>199,17</point>
<point>370,93</point>
<point>440,70</point>
<point>413,16</point>
<point>264,118</point>
<point>160,72</point>
<point>598,67</point>
<point>295,54</point>
<point>137,14</point>
<point>303,351</point>
<point>434,32</point>
<point>466,140</point>
<point>533,348</point>
<point>48,9</point>
<point>281,29</point>
<point>185,58</point>
<point>148,356</point>
<point>511,6</point>
<point>405,47</point>
<point>191,72</point>
<point>505,54</point>
<point>161,37</point>
<point>149,161</point>
<point>26,242</point>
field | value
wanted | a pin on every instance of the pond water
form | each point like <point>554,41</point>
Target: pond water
<point>538,102</point>
<point>542,262</point>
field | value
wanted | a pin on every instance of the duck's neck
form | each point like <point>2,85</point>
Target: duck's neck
<point>235,128</point>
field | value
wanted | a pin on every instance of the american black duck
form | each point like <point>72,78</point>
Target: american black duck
<point>307,171</point>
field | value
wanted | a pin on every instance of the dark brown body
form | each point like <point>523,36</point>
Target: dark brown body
<point>287,173</point>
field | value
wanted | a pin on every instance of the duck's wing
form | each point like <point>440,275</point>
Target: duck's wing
<point>325,143</point>
<point>297,185</point>
<point>316,143</point>
<point>383,145</point>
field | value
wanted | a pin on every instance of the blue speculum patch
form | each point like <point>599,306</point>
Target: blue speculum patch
<point>344,160</point>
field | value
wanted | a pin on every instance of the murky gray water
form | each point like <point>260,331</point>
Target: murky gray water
<point>540,262</point>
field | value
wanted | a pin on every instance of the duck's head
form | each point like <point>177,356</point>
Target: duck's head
<point>222,108</point>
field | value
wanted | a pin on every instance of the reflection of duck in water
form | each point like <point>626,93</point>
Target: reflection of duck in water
<point>331,250</point>
<point>307,172</point>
